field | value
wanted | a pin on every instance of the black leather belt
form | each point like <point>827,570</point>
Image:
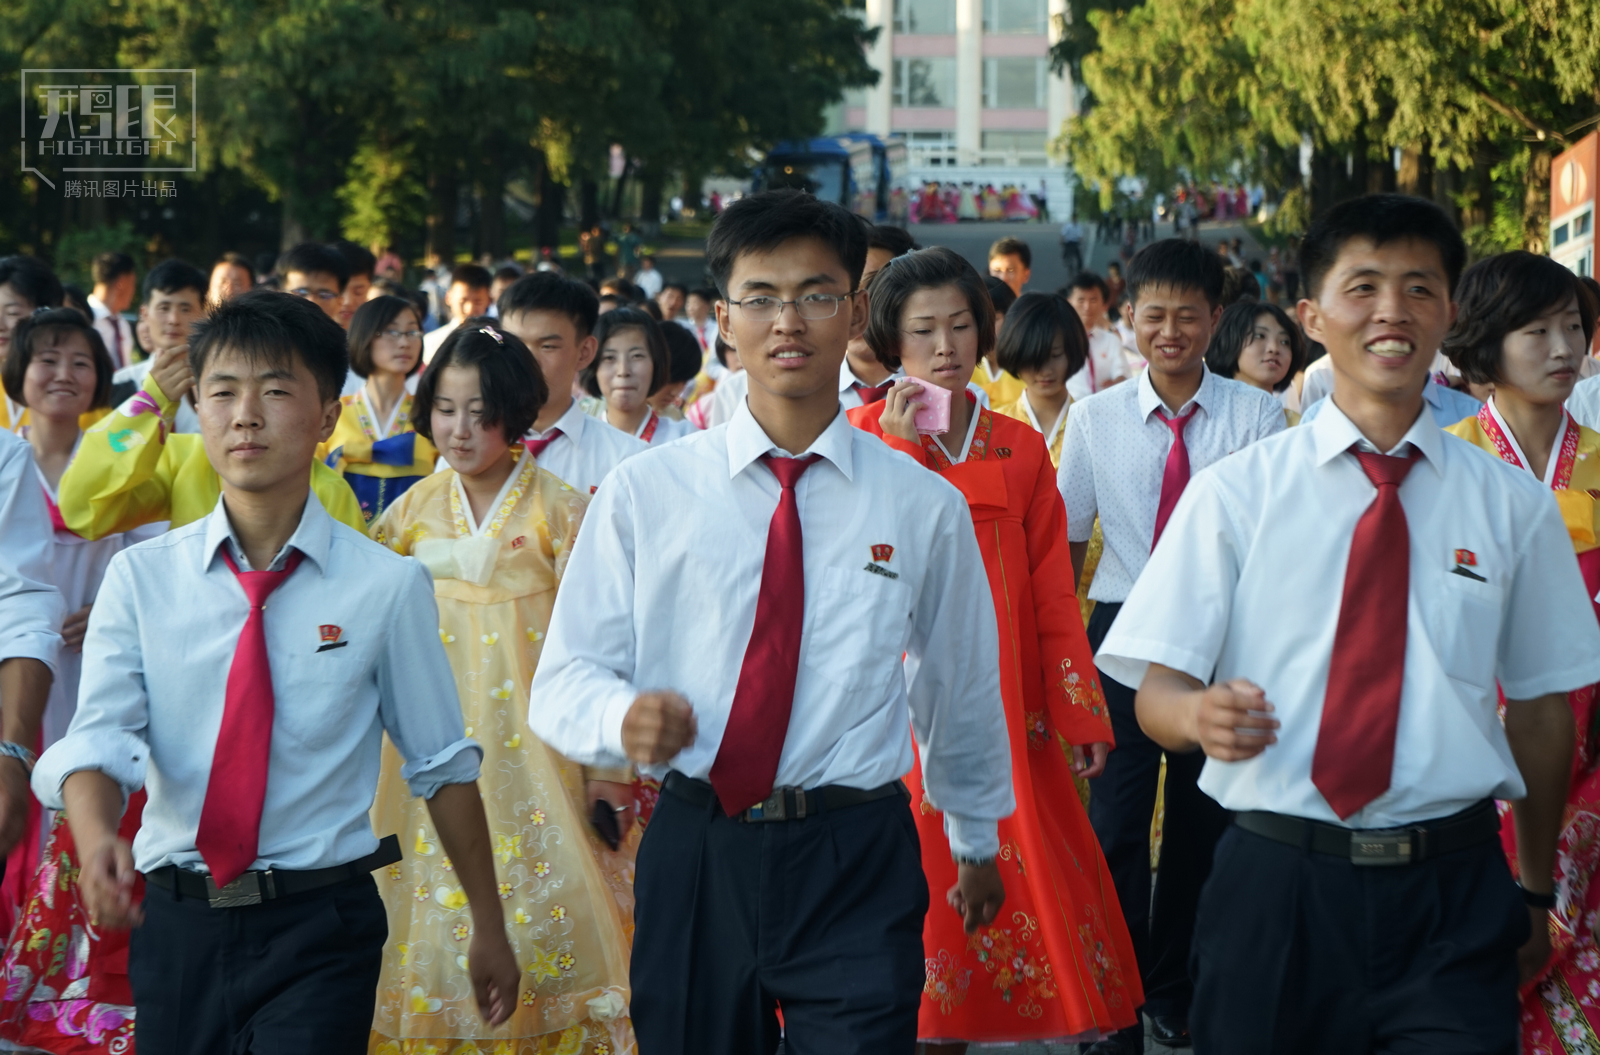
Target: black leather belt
<point>1380,846</point>
<point>252,888</point>
<point>785,804</point>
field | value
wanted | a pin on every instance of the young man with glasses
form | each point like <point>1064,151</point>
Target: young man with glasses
<point>318,273</point>
<point>781,866</point>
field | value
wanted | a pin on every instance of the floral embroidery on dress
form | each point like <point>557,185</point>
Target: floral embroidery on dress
<point>1012,851</point>
<point>1020,972</point>
<point>947,981</point>
<point>1038,730</point>
<point>1102,963</point>
<point>1089,697</point>
<point>939,461</point>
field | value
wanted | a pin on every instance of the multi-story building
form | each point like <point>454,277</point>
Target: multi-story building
<point>1574,193</point>
<point>968,84</point>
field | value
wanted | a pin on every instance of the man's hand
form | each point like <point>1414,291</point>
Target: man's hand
<point>494,972</point>
<point>657,727</point>
<point>618,796</point>
<point>73,629</point>
<point>1532,957</point>
<point>899,416</point>
<point>977,895</point>
<point>105,882</point>
<point>1089,761</point>
<point>15,795</point>
<point>170,370</point>
<point>1232,721</point>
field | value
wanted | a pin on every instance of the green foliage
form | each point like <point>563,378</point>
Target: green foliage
<point>383,194</point>
<point>75,252</point>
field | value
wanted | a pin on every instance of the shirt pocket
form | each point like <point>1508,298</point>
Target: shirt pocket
<point>856,627</point>
<point>1467,615</point>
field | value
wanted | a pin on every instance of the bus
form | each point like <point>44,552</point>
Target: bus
<point>864,173</point>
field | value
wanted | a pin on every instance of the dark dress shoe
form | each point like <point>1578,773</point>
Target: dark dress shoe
<point>1170,1031</point>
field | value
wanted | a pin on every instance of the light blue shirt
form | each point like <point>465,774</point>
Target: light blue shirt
<point>1447,405</point>
<point>160,643</point>
<point>31,609</point>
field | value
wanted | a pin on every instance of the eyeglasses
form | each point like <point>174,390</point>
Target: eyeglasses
<point>402,335</point>
<point>323,295</point>
<point>812,307</point>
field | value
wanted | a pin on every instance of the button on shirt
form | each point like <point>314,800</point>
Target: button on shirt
<point>31,609</point>
<point>1257,550</point>
<point>155,670</point>
<point>661,593</point>
<point>1115,450</point>
<point>585,451</point>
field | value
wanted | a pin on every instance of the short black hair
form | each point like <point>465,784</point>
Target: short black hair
<point>507,272</point>
<point>1088,280</point>
<point>625,292</point>
<point>1239,284</point>
<point>358,258</point>
<point>655,341</point>
<point>679,286</point>
<point>1179,264</point>
<point>73,296</point>
<point>1000,294</point>
<point>509,378</point>
<point>371,319</point>
<point>110,266</point>
<point>170,276</point>
<point>684,354</point>
<point>1009,246</point>
<point>1381,218</point>
<point>924,269</point>
<point>237,260</point>
<point>32,280</point>
<point>548,291</point>
<point>44,329</point>
<point>705,293</point>
<point>721,349</point>
<point>266,326</point>
<point>1030,331</point>
<point>473,276</point>
<point>1234,330</point>
<point>314,258</point>
<point>897,240</point>
<point>761,222</point>
<point>1498,296</point>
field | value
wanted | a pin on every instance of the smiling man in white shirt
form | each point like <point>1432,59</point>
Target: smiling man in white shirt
<point>244,669</point>
<point>1349,597</point>
<point>733,620</point>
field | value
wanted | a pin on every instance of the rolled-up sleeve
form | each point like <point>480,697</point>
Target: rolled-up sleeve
<point>31,609</point>
<point>953,686</point>
<point>108,729</point>
<point>583,687</point>
<point>1549,642</point>
<point>420,709</point>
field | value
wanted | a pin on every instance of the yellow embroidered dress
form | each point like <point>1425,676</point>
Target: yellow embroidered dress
<point>567,898</point>
<point>380,460</point>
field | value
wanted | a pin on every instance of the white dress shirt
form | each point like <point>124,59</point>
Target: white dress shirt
<point>850,385</point>
<point>649,281</point>
<point>1247,583</point>
<point>661,594</point>
<point>114,331</point>
<point>31,609</point>
<point>1115,451</point>
<point>434,339</point>
<point>1105,365</point>
<point>586,451</point>
<point>1584,403</point>
<point>155,670</point>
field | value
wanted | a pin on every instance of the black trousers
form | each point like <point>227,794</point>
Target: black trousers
<point>1121,803</point>
<point>1299,953</point>
<point>297,974</point>
<point>822,916</point>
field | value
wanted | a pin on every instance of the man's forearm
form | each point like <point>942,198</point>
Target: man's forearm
<point>1166,705</point>
<point>1080,553</point>
<point>457,812</point>
<point>24,691</point>
<point>94,807</point>
<point>1542,737</point>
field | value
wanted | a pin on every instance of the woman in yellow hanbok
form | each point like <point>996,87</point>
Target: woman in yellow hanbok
<point>495,531</point>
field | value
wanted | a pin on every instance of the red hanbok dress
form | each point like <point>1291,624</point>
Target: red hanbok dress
<point>1056,964</point>
<point>1561,1006</point>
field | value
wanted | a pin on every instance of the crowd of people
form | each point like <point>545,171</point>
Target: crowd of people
<point>858,653</point>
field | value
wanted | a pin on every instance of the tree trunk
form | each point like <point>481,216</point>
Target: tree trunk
<point>650,199</point>
<point>492,207</point>
<point>293,228</point>
<point>552,201</point>
<point>442,214</point>
<point>1536,200</point>
<point>617,191</point>
<point>588,203</point>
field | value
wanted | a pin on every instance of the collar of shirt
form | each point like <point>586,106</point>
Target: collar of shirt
<point>311,537</point>
<point>848,378</point>
<point>1149,401</point>
<point>1511,438</point>
<point>1336,434</point>
<point>571,425</point>
<point>98,306</point>
<point>747,441</point>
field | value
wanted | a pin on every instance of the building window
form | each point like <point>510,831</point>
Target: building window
<point>924,82</point>
<point>1581,225</point>
<point>930,148</point>
<point>1014,16</point>
<point>1560,236</point>
<point>1014,148</point>
<point>924,16</point>
<point>1013,84</point>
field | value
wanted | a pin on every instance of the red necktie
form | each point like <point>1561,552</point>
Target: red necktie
<point>1175,477</point>
<point>230,820</point>
<point>747,760</point>
<point>536,447</point>
<point>1361,709</point>
<point>871,394</point>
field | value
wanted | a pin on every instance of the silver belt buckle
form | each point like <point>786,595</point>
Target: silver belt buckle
<point>1388,848</point>
<point>246,890</point>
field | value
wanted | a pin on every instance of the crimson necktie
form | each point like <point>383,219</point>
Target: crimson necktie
<point>1175,477</point>
<point>871,394</point>
<point>1361,709</point>
<point>536,447</point>
<point>230,820</point>
<point>758,722</point>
